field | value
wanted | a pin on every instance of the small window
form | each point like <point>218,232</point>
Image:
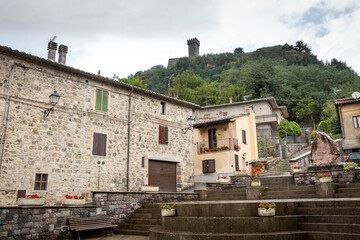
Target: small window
<point>208,166</point>
<point>244,136</point>
<point>101,100</point>
<point>41,181</point>
<point>356,121</point>
<point>162,108</point>
<point>163,135</point>
<point>99,144</point>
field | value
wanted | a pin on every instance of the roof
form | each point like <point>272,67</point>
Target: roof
<point>216,121</point>
<point>48,63</point>
<point>270,100</point>
<point>342,101</point>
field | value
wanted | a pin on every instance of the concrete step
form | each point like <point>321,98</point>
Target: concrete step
<point>330,227</point>
<point>289,192</point>
<point>146,215</point>
<point>348,195</point>
<point>343,219</point>
<point>329,204</point>
<point>225,198</point>
<point>289,196</point>
<point>347,190</point>
<point>332,236</point>
<point>292,187</point>
<point>140,227</point>
<point>329,211</point>
<point>131,232</point>
<point>351,185</point>
<point>149,210</point>
<point>143,221</point>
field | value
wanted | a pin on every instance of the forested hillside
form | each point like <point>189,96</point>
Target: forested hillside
<point>291,74</point>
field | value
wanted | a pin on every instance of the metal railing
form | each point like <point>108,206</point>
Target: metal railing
<point>220,145</point>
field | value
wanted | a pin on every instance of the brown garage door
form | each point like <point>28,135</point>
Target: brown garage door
<point>163,174</point>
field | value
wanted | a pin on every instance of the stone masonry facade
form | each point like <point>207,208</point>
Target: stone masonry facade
<point>62,144</point>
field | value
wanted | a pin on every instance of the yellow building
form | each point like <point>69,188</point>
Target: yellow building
<point>224,145</point>
<point>348,110</point>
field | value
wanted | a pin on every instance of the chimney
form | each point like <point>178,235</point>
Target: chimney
<point>230,100</point>
<point>63,50</point>
<point>52,47</point>
<point>193,45</point>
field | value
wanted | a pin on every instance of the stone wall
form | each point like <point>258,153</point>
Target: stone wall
<point>61,145</point>
<point>7,197</point>
<point>236,182</point>
<point>303,160</point>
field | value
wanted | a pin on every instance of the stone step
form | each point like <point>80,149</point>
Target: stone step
<point>146,215</point>
<point>329,211</point>
<point>289,192</point>
<point>143,221</point>
<point>131,232</point>
<point>296,196</point>
<point>330,227</point>
<point>347,190</point>
<point>329,204</point>
<point>140,227</point>
<point>158,233</point>
<point>351,185</point>
<point>149,210</point>
<point>332,236</point>
<point>224,198</point>
<point>348,219</point>
<point>348,195</point>
<point>219,194</point>
<point>291,187</point>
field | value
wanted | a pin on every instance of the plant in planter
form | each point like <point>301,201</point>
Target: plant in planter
<point>256,171</point>
<point>237,147</point>
<point>207,149</point>
<point>224,148</point>
<point>297,169</point>
<point>260,164</point>
<point>223,179</point>
<point>149,188</point>
<point>31,200</point>
<point>240,173</point>
<point>255,183</point>
<point>73,200</point>
<point>349,165</point>
<point>168,210</point>
<point>324,177</point>
<point>266,209</point>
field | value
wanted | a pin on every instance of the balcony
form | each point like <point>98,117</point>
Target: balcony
<point>272,119</point>
<point>220,145</point>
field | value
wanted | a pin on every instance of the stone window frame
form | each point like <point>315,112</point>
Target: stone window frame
<point>34,182</point>
<point>162,108</point>
<point>108,100</point>
<point>356,121</point>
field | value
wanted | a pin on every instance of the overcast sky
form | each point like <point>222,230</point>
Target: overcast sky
<point>124,36</point>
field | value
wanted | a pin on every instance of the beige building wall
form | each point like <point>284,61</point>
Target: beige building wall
<point>350,133</point>
<point>61,145</point>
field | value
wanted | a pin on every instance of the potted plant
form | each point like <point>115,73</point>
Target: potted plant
<point>149,188</point>
<point>240,173</point>
<point>255,183</point>
<point>349,165</point>
<point>266,209</point>
<point>224,147</point>
<point>73,200</point>
<point>297,169</point>
<point>324,177</point>
<point>223,179</point>
<point>168,210</point>
<point>31,200</point>
<point>236,147</point>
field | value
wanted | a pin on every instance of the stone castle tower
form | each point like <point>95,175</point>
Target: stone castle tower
<point>194,45</point>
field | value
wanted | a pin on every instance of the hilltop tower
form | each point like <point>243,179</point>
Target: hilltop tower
<point>194,45</point>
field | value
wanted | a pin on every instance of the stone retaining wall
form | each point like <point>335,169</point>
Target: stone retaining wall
<point>236,182</point>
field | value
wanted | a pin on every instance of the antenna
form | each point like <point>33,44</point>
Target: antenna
<point>355,95</point>
<point>53,38</point>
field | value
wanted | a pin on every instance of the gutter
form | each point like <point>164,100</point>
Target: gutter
<point>6,112</point>
<point>128,147</point>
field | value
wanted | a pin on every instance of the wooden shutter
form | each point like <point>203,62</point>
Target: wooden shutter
<point>98,99</point>
<point>105,101</point>
<point>163,135</point>
<point>244,136</point>
<point>236,162</point>
<point>99,144</point>
<point>211,166</point>
<point>212,138</point>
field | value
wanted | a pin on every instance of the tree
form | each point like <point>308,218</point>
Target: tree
<point>308,109</point>
<point>238,50</point>
<point>296,129</point>
<point>303,47</point>
<point>132,81</point>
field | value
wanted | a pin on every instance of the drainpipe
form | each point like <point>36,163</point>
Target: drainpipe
<point>128,147</point>
<point>6,112</point>
<point>341,122</point>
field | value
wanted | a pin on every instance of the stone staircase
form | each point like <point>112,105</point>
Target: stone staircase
<point>141,221</point>
<point>281,167</point>
<point>219,195</point>
<point>347,190</point>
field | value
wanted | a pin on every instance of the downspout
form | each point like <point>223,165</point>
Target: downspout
<point>6,113</point>
<point>341,122</point>
<point>129,135</point>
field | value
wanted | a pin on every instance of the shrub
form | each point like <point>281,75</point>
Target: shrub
<point>349,165</point>
<point>296,129</point>
<point>312,135</point>
<point>323,126</point>
<point>284,126</point>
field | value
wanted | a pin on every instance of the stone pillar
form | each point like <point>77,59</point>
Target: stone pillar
<point>253,193</point>
<point>52,47</point>
<point>325,190</point>
<point>63,50</point>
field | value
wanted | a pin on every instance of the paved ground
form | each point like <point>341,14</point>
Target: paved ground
<point>121,237</point>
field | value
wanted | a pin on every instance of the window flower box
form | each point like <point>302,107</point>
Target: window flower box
<point>255,183</point>
<point>297,169</point>
<point>148,188</point>
<point>223,180</point>
<point>240,173</point>
<point>168,210</point>
<point>267,209</point>
<point>325,178</point>
<point>31,200</point>
<point>73,200</point>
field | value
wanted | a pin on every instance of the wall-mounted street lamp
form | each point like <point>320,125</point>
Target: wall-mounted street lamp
<point>54,99</point>
<point>191,121</point>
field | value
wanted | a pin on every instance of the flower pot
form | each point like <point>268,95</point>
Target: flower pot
<point>325,179</point>
<point>255,184</point>
<point>149,188</point>
<point>263,212</point>
<point>238,173</point>
<point>31,201</point>
<point>221,180</point>
<point>67,202</point>
<point>168,212</point>
<point>296,170</point>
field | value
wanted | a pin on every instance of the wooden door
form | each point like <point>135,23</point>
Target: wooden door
<point>163,174</point>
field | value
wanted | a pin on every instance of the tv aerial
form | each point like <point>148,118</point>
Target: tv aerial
<point>355,95</point>
<point>53,38</point>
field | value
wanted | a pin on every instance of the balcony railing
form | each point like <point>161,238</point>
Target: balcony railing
<point>220,145</point>
<point>266,118</point>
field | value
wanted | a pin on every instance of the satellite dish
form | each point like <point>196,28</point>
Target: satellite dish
<point>355,95</point>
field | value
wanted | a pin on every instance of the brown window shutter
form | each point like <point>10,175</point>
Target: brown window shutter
<point>244,136</point>
<point>96,144</point>
<point>103,145</point>
<point>211,166</point>
<point>166,135</point>
<point>204,165</point>
<point>160,134</point>
<point>163,135</point>
<point>99,144</point>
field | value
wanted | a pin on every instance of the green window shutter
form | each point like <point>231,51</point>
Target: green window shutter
<point>98,99</point>
<point>105,101</point>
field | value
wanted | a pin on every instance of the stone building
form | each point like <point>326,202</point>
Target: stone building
<point>193,49</point>
<point>102,135</point>
<point>267,114</point>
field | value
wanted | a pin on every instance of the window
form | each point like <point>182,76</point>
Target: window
<point>41,181</point>
<point>212,138</point>
<point>101,100</point>
<point>356,121</point>
<point>163,135</point>
<point>244,136</point>
<point>99,144</point>
<point>162,108</point>
<point>208,166</point>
